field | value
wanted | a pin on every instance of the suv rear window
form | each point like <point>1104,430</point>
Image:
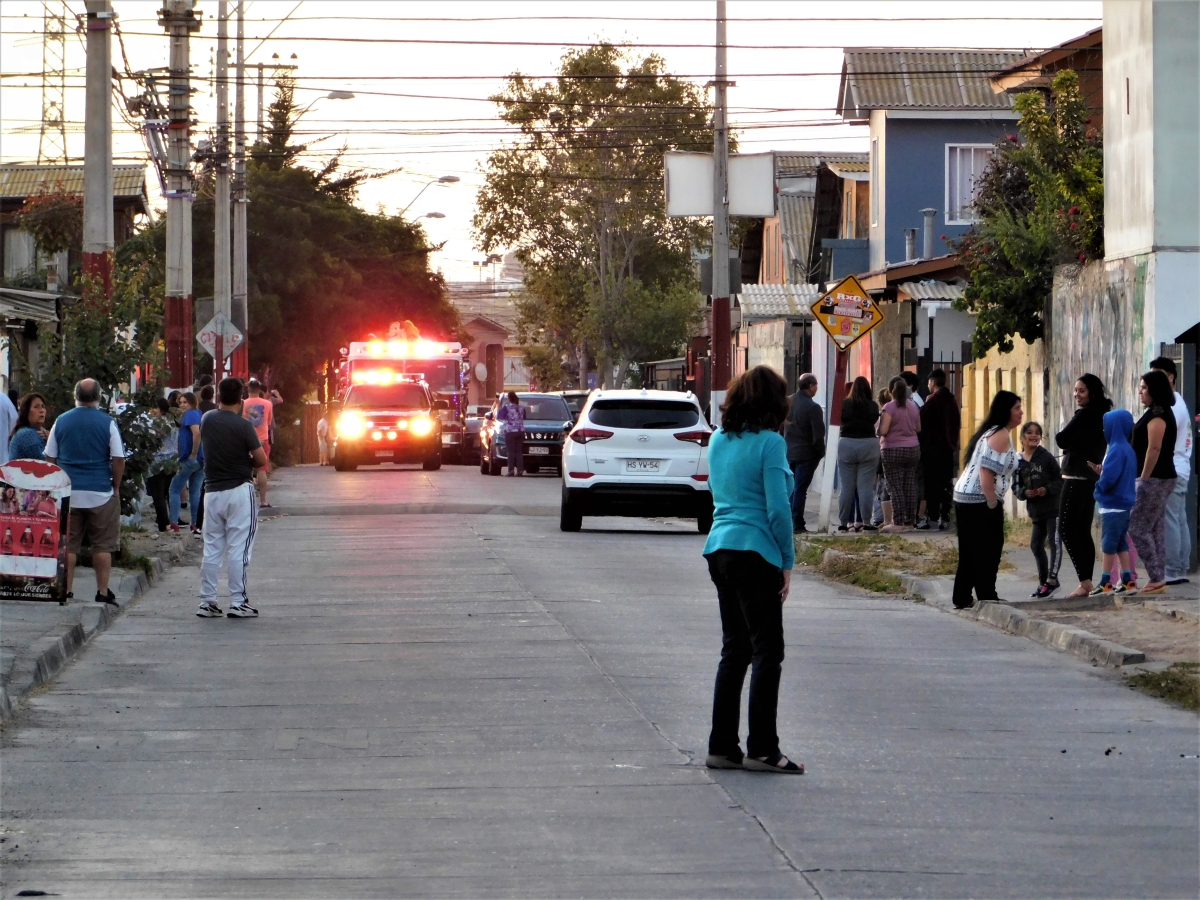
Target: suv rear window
<point>644,414</point>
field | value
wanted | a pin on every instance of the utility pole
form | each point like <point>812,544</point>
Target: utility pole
<point>222,298</point>
<point>258,134</point>
<point>180,21</point>
<point>97,148</point>
<point>719,329</point>
<point>241,314</point>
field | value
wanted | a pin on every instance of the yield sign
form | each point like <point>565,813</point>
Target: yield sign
<point>847,312</point>
<point>220,326</point>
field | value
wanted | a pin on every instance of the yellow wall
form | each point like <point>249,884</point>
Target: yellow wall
<point>1021,372</point>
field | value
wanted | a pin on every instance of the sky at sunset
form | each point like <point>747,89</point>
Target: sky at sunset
<point>421,74</point>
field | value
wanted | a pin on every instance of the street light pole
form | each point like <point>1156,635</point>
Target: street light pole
<point>179,323</point>
<point>97,149</point>
<point>222,288</point>
<point>445,179</point>
<point>241,313</point>
<point>721,351</point>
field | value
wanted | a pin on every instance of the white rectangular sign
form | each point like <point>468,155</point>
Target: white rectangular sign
<point>689,184</point>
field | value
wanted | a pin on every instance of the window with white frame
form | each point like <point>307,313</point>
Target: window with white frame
<point>875,181</point>
<point>964,166</point>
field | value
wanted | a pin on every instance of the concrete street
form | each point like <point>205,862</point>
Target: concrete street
<point>444,698</point>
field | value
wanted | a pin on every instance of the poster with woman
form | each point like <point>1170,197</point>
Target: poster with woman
<point>35,499</point>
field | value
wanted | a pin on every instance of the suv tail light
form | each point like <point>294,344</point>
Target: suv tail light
<point>696,437</point>
<point>584,435</point>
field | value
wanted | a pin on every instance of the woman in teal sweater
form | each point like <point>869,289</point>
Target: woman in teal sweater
<point>750,557</point>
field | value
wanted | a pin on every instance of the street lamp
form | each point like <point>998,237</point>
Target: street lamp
<point>332,95</point>
<point>445,179</point>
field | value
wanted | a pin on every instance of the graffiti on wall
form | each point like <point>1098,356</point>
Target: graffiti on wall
<point>1097,324</point>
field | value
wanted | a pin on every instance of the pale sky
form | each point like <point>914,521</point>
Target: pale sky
<point>422,106</point>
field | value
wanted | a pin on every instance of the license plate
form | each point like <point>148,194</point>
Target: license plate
<point>641,465</point>
<point>538,451</point>
<point>385,453</point>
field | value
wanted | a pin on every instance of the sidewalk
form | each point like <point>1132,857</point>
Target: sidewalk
<point>1115,631</point>
<point>37,639</point>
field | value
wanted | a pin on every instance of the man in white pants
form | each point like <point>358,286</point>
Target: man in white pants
<point>231,451</point>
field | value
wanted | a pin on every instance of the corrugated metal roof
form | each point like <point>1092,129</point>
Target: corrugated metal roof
<point>796,224</point>
<point>770,301</point>
<point>931,290</point>
<point>921,79</point>
<point>18,180</point>
<point>21,305</point>
<point>807,163</point>
<point>852,171</point>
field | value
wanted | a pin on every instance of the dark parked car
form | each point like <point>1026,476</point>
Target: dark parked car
<point>472,425</point>
<point>547,421</point>
<point>575,401</point>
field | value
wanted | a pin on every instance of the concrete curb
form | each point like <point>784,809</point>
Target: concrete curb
<point>50,655</point>
<point>1067,638</point>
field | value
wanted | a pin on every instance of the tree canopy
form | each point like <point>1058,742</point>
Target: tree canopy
<point>579,195</point>
<point>322,271</point>
<point>1041,204</point>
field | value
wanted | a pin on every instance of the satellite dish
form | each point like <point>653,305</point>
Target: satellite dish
<point>481,371</point>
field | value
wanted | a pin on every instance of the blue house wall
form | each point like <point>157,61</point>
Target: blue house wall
<point>915,176</point>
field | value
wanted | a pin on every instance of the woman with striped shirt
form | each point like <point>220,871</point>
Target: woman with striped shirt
<point>979,498</point>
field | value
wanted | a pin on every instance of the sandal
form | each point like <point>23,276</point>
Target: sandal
<point>777,763</point>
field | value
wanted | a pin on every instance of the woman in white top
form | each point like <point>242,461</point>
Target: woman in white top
<point>979,501</point>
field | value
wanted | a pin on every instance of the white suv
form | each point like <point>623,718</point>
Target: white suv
<point>637,453</point>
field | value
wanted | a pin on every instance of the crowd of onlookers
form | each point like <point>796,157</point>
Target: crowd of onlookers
<point>897,456</point>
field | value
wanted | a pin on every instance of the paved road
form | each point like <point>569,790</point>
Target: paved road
<point>480,705</point>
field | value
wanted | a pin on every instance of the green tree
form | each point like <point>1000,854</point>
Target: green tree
<point>1040,204</point>
<point>322,271</point>
<point>579,194</point>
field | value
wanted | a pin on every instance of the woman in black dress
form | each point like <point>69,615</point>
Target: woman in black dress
<point>1082,442</point>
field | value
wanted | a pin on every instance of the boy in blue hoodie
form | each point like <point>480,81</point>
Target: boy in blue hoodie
<point>1115,493</point>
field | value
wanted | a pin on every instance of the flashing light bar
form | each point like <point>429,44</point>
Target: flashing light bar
<point>403,349</point>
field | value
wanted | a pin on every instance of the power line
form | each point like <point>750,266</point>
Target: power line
<point>702,19</point>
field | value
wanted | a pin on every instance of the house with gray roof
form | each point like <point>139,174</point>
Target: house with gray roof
<point>933,118</point>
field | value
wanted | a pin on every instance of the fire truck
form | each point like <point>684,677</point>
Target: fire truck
<point>437,364</point>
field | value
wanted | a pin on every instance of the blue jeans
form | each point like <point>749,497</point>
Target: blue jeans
<point>1113,528</point>
<point>190,473</point>
<point>803,472</point>
<point>1179,539</point>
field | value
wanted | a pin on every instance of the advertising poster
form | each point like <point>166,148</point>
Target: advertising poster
<point>35,499</point>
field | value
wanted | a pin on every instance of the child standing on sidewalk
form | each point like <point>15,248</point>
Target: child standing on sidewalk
<point>1038,483</point>
<point>1115,493</point>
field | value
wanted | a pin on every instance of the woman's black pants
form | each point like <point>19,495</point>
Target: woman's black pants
<point>158,486</point>
<point>1076,508</point>
<point>980,545</point>
<point>752,626</point>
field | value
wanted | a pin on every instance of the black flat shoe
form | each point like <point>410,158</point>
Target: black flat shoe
<point>778,764</point>
<point>110,598</point>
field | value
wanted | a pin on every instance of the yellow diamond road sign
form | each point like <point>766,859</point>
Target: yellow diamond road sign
<point>847,312</point>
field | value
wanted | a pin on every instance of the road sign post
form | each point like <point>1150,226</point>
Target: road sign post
<point>848,314</point>
<point>219,338</point>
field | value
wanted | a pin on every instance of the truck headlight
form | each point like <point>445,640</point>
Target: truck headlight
<point>420,426</point>
<point>351,425</point>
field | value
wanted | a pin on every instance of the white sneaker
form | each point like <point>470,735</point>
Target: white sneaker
<point>242,611</point>
<point>209,610</point>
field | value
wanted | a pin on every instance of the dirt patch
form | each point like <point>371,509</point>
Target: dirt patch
<point>182,549</point>
<point>876,561</point>
<point>1156,635</point>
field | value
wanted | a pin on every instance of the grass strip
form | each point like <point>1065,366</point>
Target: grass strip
<point>1180,684</point>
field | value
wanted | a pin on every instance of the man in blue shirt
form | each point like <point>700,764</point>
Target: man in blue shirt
<point>86,444</point>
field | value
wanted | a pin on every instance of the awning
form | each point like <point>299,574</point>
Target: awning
<point>22,305</point>
<point>930,290</point>
<point>776,301</point>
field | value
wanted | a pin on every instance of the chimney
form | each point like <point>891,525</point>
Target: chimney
<point>52,276</point>
<point>928,249</point>
<point>910,244</point>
